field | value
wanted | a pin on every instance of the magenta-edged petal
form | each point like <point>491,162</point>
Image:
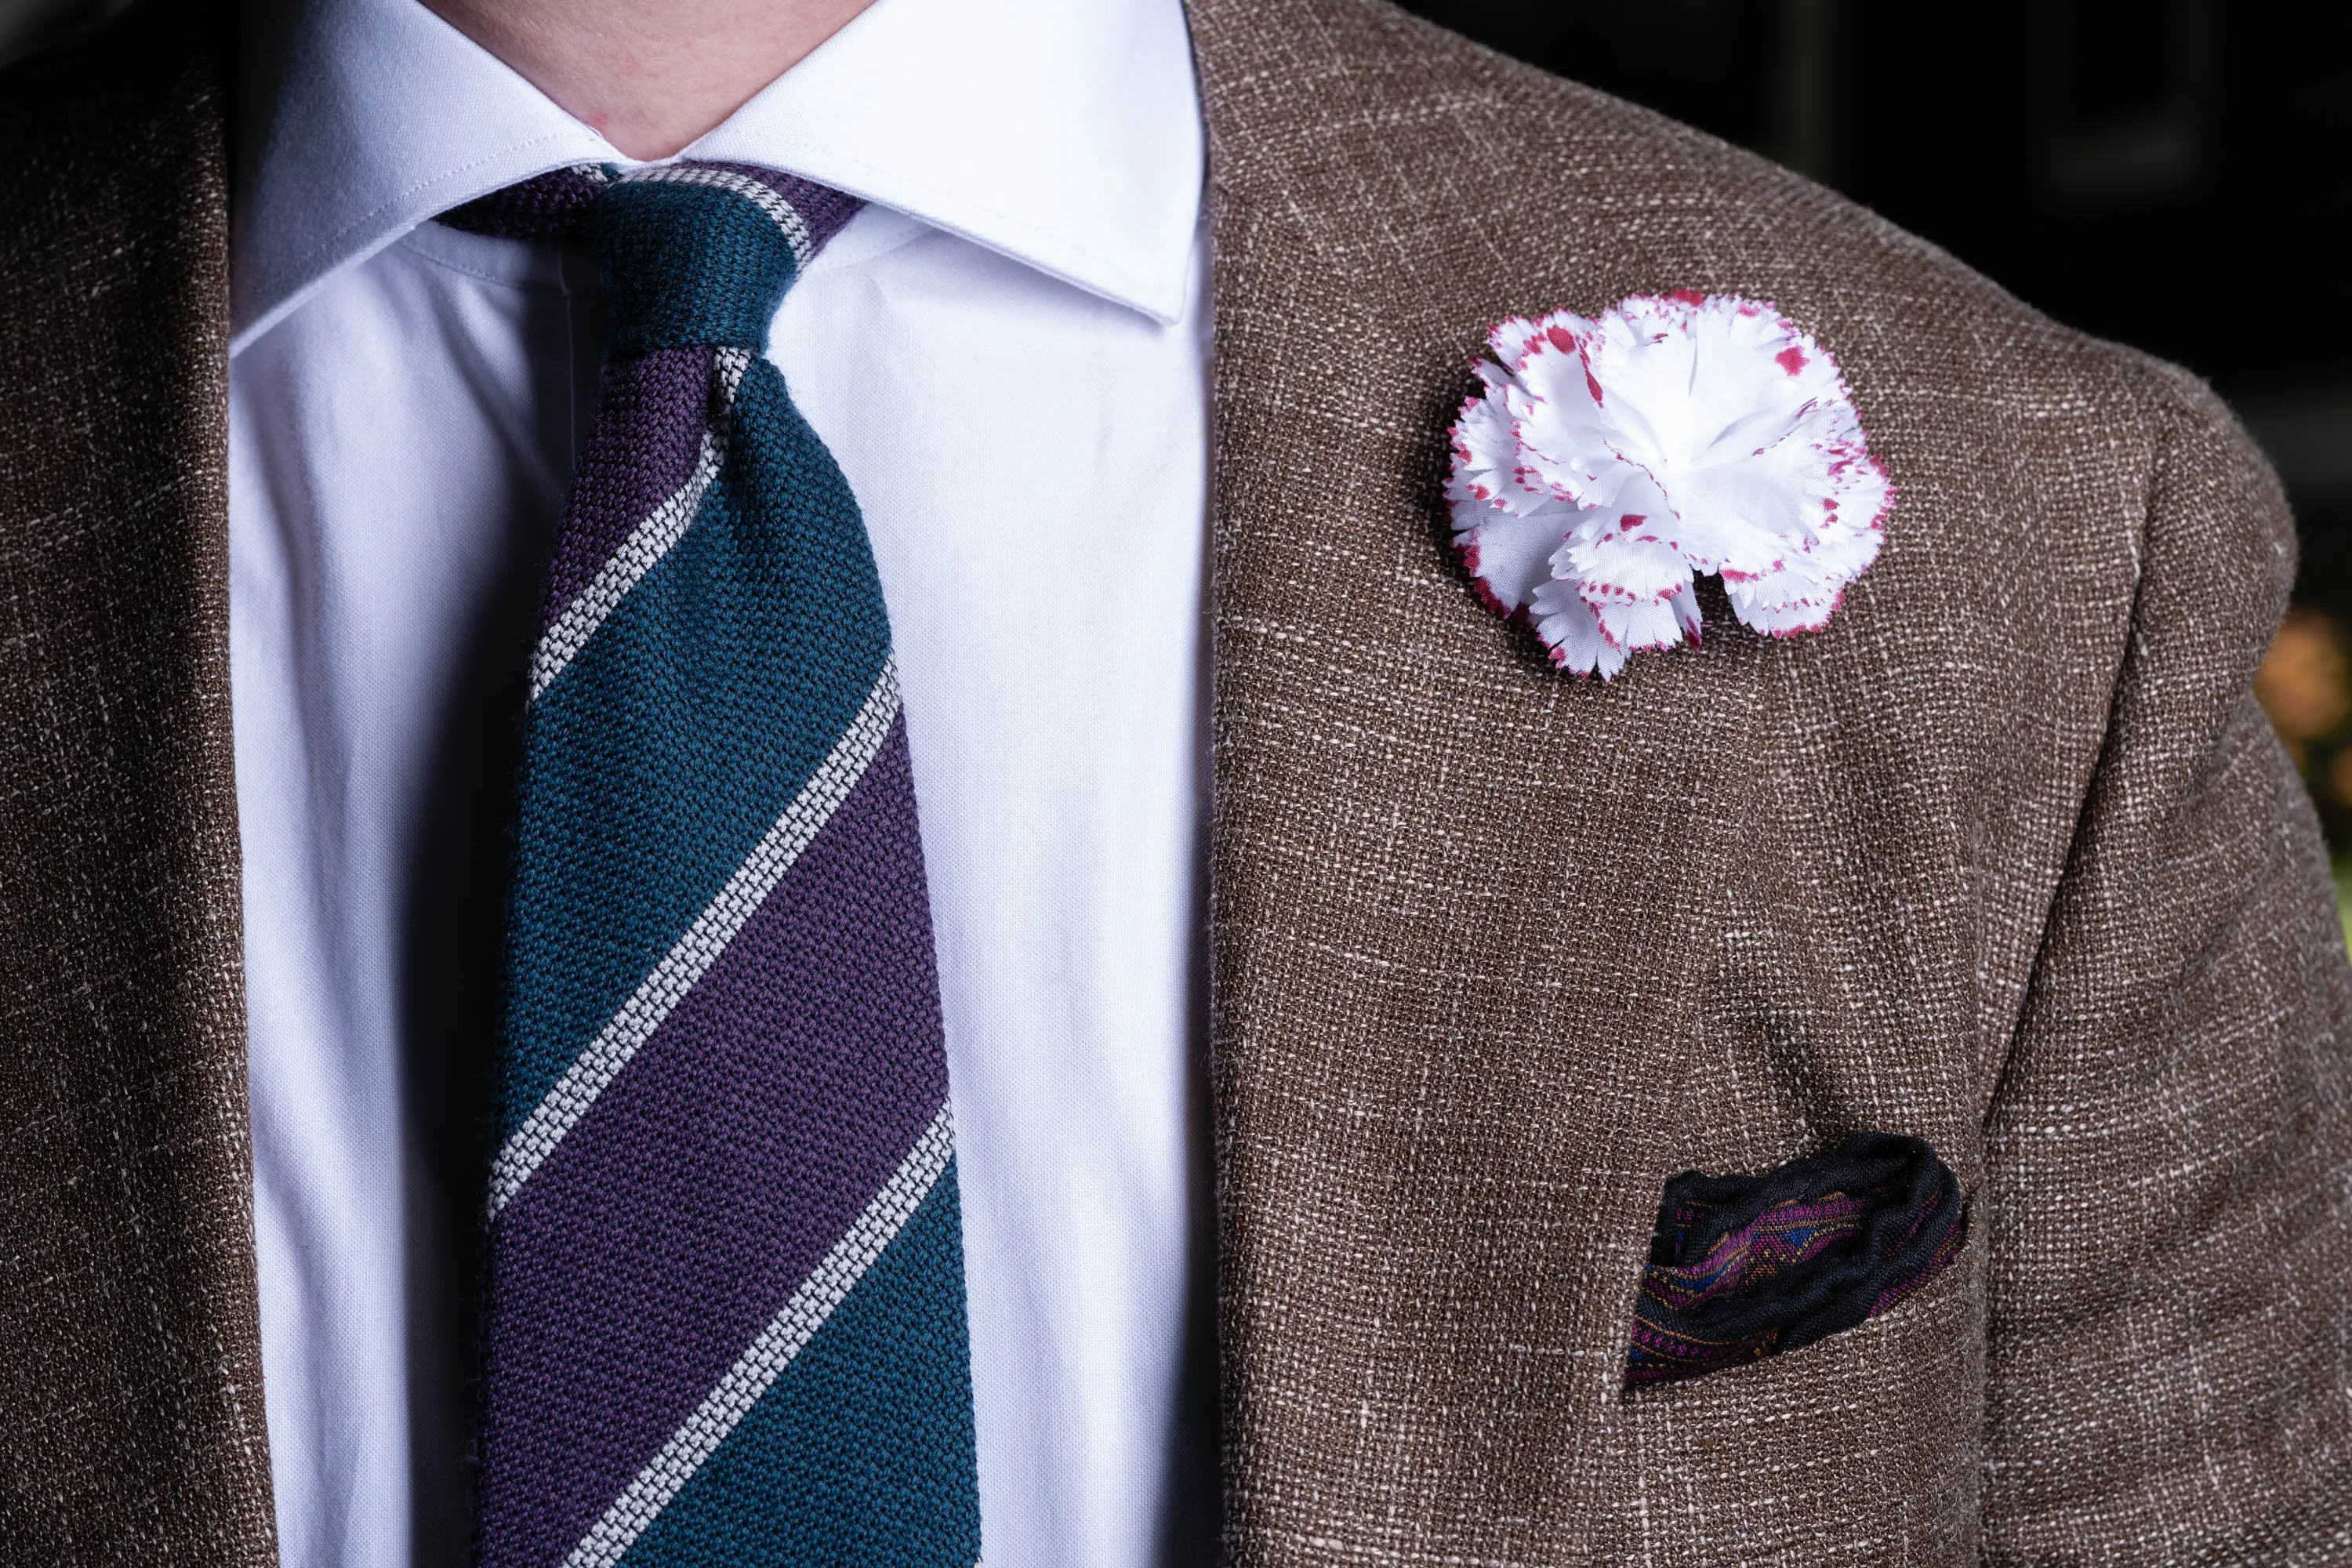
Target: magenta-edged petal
<point>1623,566</point>
<point>1509,553</point>
<point>1572,631</point>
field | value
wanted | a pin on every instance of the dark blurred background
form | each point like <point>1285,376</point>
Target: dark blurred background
<point>26,25</point>
<point>2167,172</point>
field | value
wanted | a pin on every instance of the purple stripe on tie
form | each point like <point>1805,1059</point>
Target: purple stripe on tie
<point>548,207</point>
<point>826,210</point>
<point>712,1174</point>
<point>650,420</point>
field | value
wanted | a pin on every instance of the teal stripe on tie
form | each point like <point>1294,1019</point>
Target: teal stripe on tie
<point>847,1459</point>
<point>711,265</point>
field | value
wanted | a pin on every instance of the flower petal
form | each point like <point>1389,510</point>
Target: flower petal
<point>1686,611</point>
<point>1569,628</point>
<point>1623,566</point>
<point>1487,462</point>
<point>1510,553</point>
<point>1630,624</point>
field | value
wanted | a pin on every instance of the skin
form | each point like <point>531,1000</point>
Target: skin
<point>651,75</point>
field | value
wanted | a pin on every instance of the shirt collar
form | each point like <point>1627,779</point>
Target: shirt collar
<point>1063,134</point>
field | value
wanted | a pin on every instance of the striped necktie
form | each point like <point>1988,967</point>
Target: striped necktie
<point>725,1315</point>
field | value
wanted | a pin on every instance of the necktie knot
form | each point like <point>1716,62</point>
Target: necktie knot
<point>696,255</point>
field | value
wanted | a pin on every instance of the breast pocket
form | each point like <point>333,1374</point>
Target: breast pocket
<point>1860,1447</point>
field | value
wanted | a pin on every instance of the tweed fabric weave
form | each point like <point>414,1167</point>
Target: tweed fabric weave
<point>725,1314</point>
<point>2005,859</point>
<point>131,1413</point>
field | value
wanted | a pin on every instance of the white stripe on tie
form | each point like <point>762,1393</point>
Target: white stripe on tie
<point>699,949</point>
<point>757,1369</point>
<point>647,545</point>
<point>765,198</point>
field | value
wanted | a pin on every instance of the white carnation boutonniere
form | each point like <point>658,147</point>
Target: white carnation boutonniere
<point>1610,462</point>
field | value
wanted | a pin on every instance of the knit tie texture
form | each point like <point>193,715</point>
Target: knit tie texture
<point>725,1316</point>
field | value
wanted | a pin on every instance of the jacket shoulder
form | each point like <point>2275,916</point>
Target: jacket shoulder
<point>113,230</point>
<point>1395,141</point>
<point>104,135</point>
<point>1385,172</point>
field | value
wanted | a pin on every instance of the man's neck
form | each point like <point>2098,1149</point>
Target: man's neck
<point>651,75</point>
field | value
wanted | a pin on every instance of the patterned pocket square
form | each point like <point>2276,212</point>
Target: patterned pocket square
<point>1745,1266</point>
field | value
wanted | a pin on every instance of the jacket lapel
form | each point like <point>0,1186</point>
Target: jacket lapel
<point>1461,906</point>
<point>132,1381</point>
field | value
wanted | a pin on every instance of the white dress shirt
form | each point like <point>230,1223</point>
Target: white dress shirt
<point>1005,353</point>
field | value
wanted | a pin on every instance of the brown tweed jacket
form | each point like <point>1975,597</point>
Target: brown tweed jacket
<point>2006,858</point>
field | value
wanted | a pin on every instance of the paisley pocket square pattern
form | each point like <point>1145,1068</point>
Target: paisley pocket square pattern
<point>1745,1266</point>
